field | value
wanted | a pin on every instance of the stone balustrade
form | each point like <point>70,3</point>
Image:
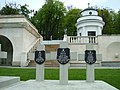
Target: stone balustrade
<point>82,39</point>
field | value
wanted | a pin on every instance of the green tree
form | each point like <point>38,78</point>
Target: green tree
<point>9,10</point>
<point>14,9</point>
<point>108,17</point>
<point>24,10</point>
<point>70,21</point>
<point>117,22</point>
<point>48,20</point>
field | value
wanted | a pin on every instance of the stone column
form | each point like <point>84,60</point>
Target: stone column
<point>89,68</point>
<point>65,38</point>
<point>40,72</point>
<point>63,68</point>
<point>23,59</point>
<point>40,68</point>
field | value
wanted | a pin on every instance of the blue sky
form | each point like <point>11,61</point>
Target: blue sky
<point>82,4</point>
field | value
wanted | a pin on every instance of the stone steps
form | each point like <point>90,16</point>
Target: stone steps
<point>83,65</point>
<point>8,80</point>
<point>110,63</point>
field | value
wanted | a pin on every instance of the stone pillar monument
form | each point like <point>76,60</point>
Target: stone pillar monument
<point>40,59</point>
<point>90,58</point>
<point>63,57</point>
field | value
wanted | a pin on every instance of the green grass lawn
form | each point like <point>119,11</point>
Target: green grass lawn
<point>111,76</point>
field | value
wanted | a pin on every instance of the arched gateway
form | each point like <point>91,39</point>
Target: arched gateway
<point>18,37</point>
<point>7,47</point>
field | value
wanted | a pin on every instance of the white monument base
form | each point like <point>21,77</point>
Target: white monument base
<point>8,80</point>
<point>63,74</point>
<point>54,85</point>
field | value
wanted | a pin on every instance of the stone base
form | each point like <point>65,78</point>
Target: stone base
<point>54,85</point>
<point>8,80</point>
<point>16,63</point>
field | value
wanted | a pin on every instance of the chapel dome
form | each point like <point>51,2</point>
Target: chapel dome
<point>88,12</point>
<point>89,23</point>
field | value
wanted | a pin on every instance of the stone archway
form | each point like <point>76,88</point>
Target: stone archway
<point>113,51</point>
<point>6,46</point>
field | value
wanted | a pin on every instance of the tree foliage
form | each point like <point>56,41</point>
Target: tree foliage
<point>9,10</point>
<point>49,18</point>
<point>70,21</point>
<point>24,10</point>
<point>14,9</point>
<point>117,22</point>
<point>111,20</point>
<point>104,13</point>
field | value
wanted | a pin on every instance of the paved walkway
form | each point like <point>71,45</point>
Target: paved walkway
<point>54,85</point>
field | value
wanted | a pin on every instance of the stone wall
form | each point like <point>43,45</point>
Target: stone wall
<point>51,48</point>
<point>108,46</point>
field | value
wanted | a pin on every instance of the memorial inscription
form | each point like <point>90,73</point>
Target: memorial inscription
<point>39,57</point>
<point>63,55</point>
<point>90,56</point>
